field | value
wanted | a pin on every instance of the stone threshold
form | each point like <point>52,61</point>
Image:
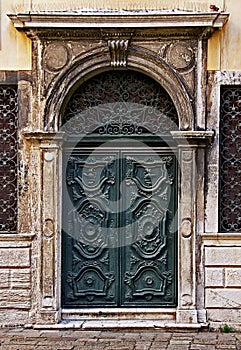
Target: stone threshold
<point>123,313</point>
<point>121,325</point>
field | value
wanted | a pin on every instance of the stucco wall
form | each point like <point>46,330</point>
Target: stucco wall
<point>15,48</point>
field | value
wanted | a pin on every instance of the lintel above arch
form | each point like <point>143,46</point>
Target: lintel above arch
<point>119,19</point>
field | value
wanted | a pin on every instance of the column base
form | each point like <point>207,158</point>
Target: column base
<point>187,316</point>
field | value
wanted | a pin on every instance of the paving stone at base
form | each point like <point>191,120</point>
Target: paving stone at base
<point>226,341</point>
<point>133,335</point>
<point>163,336</point>
<point>176,338</point>
<point>118,347</point>
<point>51,347</point>
<point>88,347</point>
<point>139,346</point>
<point>180,341</point>
<point>184,334</point>
<point>202,347</point>
<point>16,339</point>
<point>205,341</point>
<point>23,342</point>
<point>18,347</point>
<point>178,347</point>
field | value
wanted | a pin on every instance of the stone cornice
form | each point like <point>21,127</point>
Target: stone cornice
<point>43,135</point>
<point>193,138</point>
<point>118,19</point>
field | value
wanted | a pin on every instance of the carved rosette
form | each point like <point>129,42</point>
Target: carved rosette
<point>55,57</point>
<point>180,56</point>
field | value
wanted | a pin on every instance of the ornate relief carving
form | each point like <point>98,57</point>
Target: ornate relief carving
<point>48,261</point>
<point>91,282</point>
<point>118,103</point>
<point>48,228</point>
<point>186,300</point>
<point>180,56</point>
<point>55,57</point>
<point>186,227</point>
<point>147,282</point>
<point>187,156</point>
<point>152,240</point>
<point>144,268</point>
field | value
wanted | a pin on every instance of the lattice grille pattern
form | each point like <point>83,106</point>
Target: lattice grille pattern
<point>230,159</point>
<point>120,102</point>
<point>8,158</point>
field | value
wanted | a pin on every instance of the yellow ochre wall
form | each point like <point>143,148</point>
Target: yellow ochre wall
<point>223,51</point>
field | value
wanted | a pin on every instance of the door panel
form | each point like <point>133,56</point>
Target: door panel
<point>119,240</point>
<point>90,267</point>
<point>148,259</point>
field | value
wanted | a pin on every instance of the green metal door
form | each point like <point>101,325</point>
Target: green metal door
<point>119,237</point>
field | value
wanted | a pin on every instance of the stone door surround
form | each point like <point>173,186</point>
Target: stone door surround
<point>68,48</point>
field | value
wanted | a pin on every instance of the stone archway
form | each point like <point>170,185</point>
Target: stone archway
<point>168,47</point>
<point>119,250</point>
<point>139,60</point>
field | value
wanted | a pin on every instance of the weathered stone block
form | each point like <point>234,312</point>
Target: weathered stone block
<point>233,277</point>
<point>14,257</point>
<point>20,279</point>
<point>5,278</point>
<point>18,299</point>
<point>13,317</point>
<point>221,297</point>
<point>224,315</point>
<point>214,277</point>
<point>223,256</point>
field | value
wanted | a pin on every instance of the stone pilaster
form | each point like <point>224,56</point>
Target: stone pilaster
<point>48,254</point>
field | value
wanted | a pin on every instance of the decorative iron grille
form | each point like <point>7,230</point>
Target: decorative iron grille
<point>8,158</point>
<point>230,159</point>
<point>120,103</point>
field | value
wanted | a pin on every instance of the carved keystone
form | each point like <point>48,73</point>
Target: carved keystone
<point>118,52</point>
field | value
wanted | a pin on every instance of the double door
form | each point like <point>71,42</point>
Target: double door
<point>119,227</point>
